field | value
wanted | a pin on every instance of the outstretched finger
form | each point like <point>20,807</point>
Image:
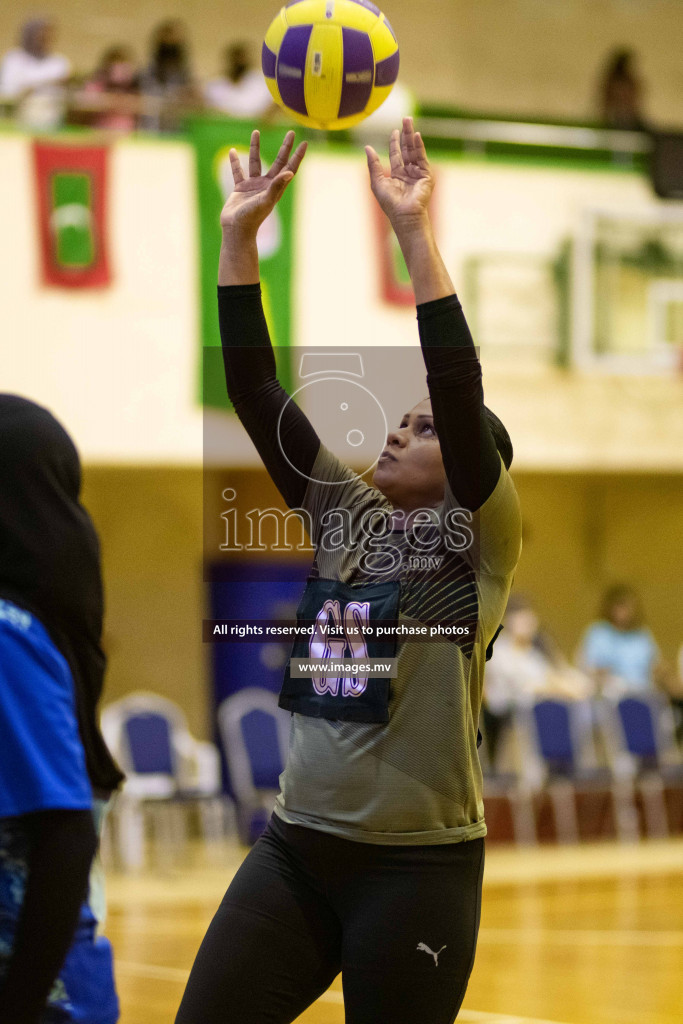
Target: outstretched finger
<point>408,141</point>
<point>278,185</point>
<point>283,156</point>
<point>395,158</point>
<point>421,153</point>
<point>255,155</point>
<point>374,166</point>
<point>295,160</point>
<point>236,167</point>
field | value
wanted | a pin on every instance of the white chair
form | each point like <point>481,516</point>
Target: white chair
<point>640,740</point>
<point>559,736</point>
<point>254,732</point>
<point>515,789</point>
<point>167,770</point>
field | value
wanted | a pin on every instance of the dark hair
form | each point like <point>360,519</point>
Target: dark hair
<point>617,594</point>
<point>500,436</point>
<point>170,54</point>
<point>117,53</point>
<point>543,642</point>
<point>619,64</point>
<point>518,602</point>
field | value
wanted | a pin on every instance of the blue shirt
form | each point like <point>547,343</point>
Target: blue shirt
<point>42,767</point>
<point>42,761</point>
<point>631,655</point>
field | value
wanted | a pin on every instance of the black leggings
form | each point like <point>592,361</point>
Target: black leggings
<point>399,922</point>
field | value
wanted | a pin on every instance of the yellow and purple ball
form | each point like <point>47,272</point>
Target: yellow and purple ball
<point>330,63</point>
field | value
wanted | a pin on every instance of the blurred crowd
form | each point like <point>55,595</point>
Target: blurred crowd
<point>617,656</point>
<point>39,87</point>
<point>39,84</point>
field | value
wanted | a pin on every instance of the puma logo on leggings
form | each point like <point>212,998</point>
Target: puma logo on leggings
<point>426,949</point>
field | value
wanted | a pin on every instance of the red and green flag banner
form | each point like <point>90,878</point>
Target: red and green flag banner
<point>213,138</point>
<point>395,285</point>
<point>72,193</point>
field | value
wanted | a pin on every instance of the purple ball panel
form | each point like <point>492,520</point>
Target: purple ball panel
<point>268,62</point>
<point>358,72</point>
<point>386,71</point>
<point>291,65</point>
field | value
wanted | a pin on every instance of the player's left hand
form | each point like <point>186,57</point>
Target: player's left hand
<point>405,195</point>
<point>255,196</point>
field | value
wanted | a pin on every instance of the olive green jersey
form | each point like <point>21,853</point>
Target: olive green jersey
<point>415,779</point>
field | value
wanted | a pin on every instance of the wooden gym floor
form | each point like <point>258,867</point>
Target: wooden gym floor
<point>587,935</point>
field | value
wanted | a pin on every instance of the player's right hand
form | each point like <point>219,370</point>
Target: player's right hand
<point>404,195</point>
<point>254,197</point>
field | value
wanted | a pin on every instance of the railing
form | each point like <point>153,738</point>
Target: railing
<point>522,133</point>
<point>475,133</point>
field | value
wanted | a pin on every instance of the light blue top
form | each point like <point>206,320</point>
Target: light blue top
<point>631,654</point>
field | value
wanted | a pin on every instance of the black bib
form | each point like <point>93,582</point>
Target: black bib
<point>339,608</point>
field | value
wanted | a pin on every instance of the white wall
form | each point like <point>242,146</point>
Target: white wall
<point>119,366</point>
<point>558,419</point>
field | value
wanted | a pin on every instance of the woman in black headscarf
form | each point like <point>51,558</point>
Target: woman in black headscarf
<point>53,759</point>
<point>168,81</point>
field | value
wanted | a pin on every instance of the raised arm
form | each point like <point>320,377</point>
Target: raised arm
<point>468,448</point>
<point>281,437</point>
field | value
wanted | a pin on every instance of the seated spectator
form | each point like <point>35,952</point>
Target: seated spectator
<point>677,697</point>
<point>241,90</point>
<point>621,93</point>
<point>168,79</point>
<point>618,650</point>
<point>525,664</point>
<point>35,77</point>
<point>113,91</point>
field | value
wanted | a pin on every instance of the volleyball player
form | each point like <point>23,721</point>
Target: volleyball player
<point>372,861</point>
<point>55,771</point>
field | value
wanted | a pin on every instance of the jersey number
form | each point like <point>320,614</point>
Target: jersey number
<point>334,634</point>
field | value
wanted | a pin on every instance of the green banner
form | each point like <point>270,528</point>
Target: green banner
<point>71,205</point>
<point>213,138</point>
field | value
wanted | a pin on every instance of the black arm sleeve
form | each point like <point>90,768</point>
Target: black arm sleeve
<point>62,845</point>
<point>259,399</point>
<point>468,448</point>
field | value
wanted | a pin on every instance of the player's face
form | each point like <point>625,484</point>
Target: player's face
<point>410,470</point>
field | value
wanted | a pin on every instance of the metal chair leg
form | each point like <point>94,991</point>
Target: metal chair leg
<point>129,823</point>
<point>625,813</point>
<point>523,816</point>
<point>651,789</point>
<point>563,797</point>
